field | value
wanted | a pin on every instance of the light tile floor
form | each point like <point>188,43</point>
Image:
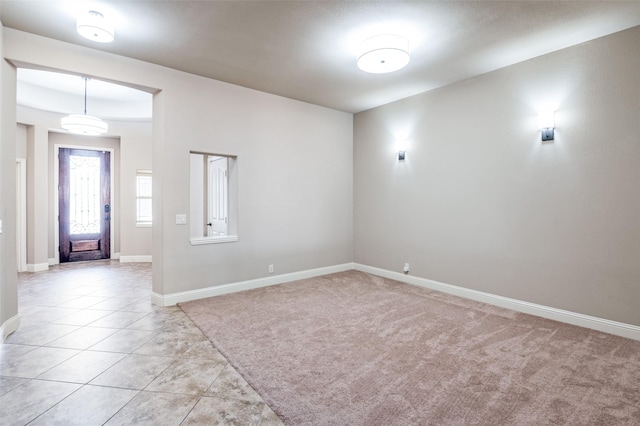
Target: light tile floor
<point>92,349</point>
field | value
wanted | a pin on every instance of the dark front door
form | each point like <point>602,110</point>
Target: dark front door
<point>84,205</point>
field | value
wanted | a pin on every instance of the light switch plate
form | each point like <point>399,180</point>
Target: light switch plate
<point>181,219</point>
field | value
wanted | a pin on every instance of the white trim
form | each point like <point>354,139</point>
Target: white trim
<point>56,204</point>
<point>185,296</point>
<point>213,240</point>
<point>600,324</point>
<point>9,326</point>
<point>37,267</point>
<point>157,299</point>
<point>135,259</point>
<point>21,219</point>
<point>53,261</point>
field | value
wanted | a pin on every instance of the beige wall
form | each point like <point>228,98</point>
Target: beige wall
<point>21,141</point>
<point>294,165</point>
<point>8,274</point>
<point>131,145</point>
<point>196,200</point>
<point>294,168</point>
<point>135,154</point>
<point>481,203</point>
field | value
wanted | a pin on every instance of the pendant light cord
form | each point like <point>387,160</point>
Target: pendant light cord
<point>85,95</point>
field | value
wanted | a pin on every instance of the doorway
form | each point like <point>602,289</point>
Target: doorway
<point>217,196</point>
<point>21,214</point>
<point>84,203</point>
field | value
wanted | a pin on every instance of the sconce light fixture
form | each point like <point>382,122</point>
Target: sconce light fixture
<point>401,148</point>
<point>547,124</point>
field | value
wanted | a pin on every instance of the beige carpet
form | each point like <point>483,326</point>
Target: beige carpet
<point>356,349</point>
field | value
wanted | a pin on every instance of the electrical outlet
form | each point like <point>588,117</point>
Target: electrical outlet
<point>406,268</point>
<point>271,269</point>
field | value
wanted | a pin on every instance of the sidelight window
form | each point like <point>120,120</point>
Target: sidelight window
<point>143,198</point>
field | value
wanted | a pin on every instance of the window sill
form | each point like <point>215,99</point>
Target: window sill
<point>213,240</point>
<point>143,225</point>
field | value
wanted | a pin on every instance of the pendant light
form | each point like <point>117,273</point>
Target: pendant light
<point>84,124</point>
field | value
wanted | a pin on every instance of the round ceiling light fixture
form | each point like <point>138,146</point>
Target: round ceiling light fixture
<point>94,26</point>
<point>383,53</point>
<point>84,125</point>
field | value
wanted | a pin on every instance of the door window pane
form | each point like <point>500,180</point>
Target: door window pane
<point>84,195</point>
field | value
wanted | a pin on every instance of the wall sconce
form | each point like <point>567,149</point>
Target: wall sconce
<point>401,148</point>
<point>547,124</point>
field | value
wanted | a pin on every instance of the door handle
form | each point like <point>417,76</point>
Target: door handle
<point>209,224</point>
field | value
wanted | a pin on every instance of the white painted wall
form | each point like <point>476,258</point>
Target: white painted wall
<point>481,203</point>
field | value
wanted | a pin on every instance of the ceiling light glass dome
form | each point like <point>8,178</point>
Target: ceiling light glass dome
<point>94,26</point>
<point>383,53</point>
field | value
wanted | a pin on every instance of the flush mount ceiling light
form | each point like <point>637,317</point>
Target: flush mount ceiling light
<point>94,26</point>
<point>84,124</point>
<point>383,53</point>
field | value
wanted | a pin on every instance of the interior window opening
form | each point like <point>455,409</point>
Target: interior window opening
<point>212,198</point>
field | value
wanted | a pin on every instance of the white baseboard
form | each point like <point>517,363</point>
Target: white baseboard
<point>600,324</point>
<point>9,326</point>
<point>135,259</point>
<point>158,299</point>
<point>37,267</point>
<point>185,296</point>
<point>114,256</point>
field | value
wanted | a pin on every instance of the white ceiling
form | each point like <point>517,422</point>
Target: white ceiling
<point>305,50</point>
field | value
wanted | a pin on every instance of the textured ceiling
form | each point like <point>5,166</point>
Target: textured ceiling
<point>305,50</point>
